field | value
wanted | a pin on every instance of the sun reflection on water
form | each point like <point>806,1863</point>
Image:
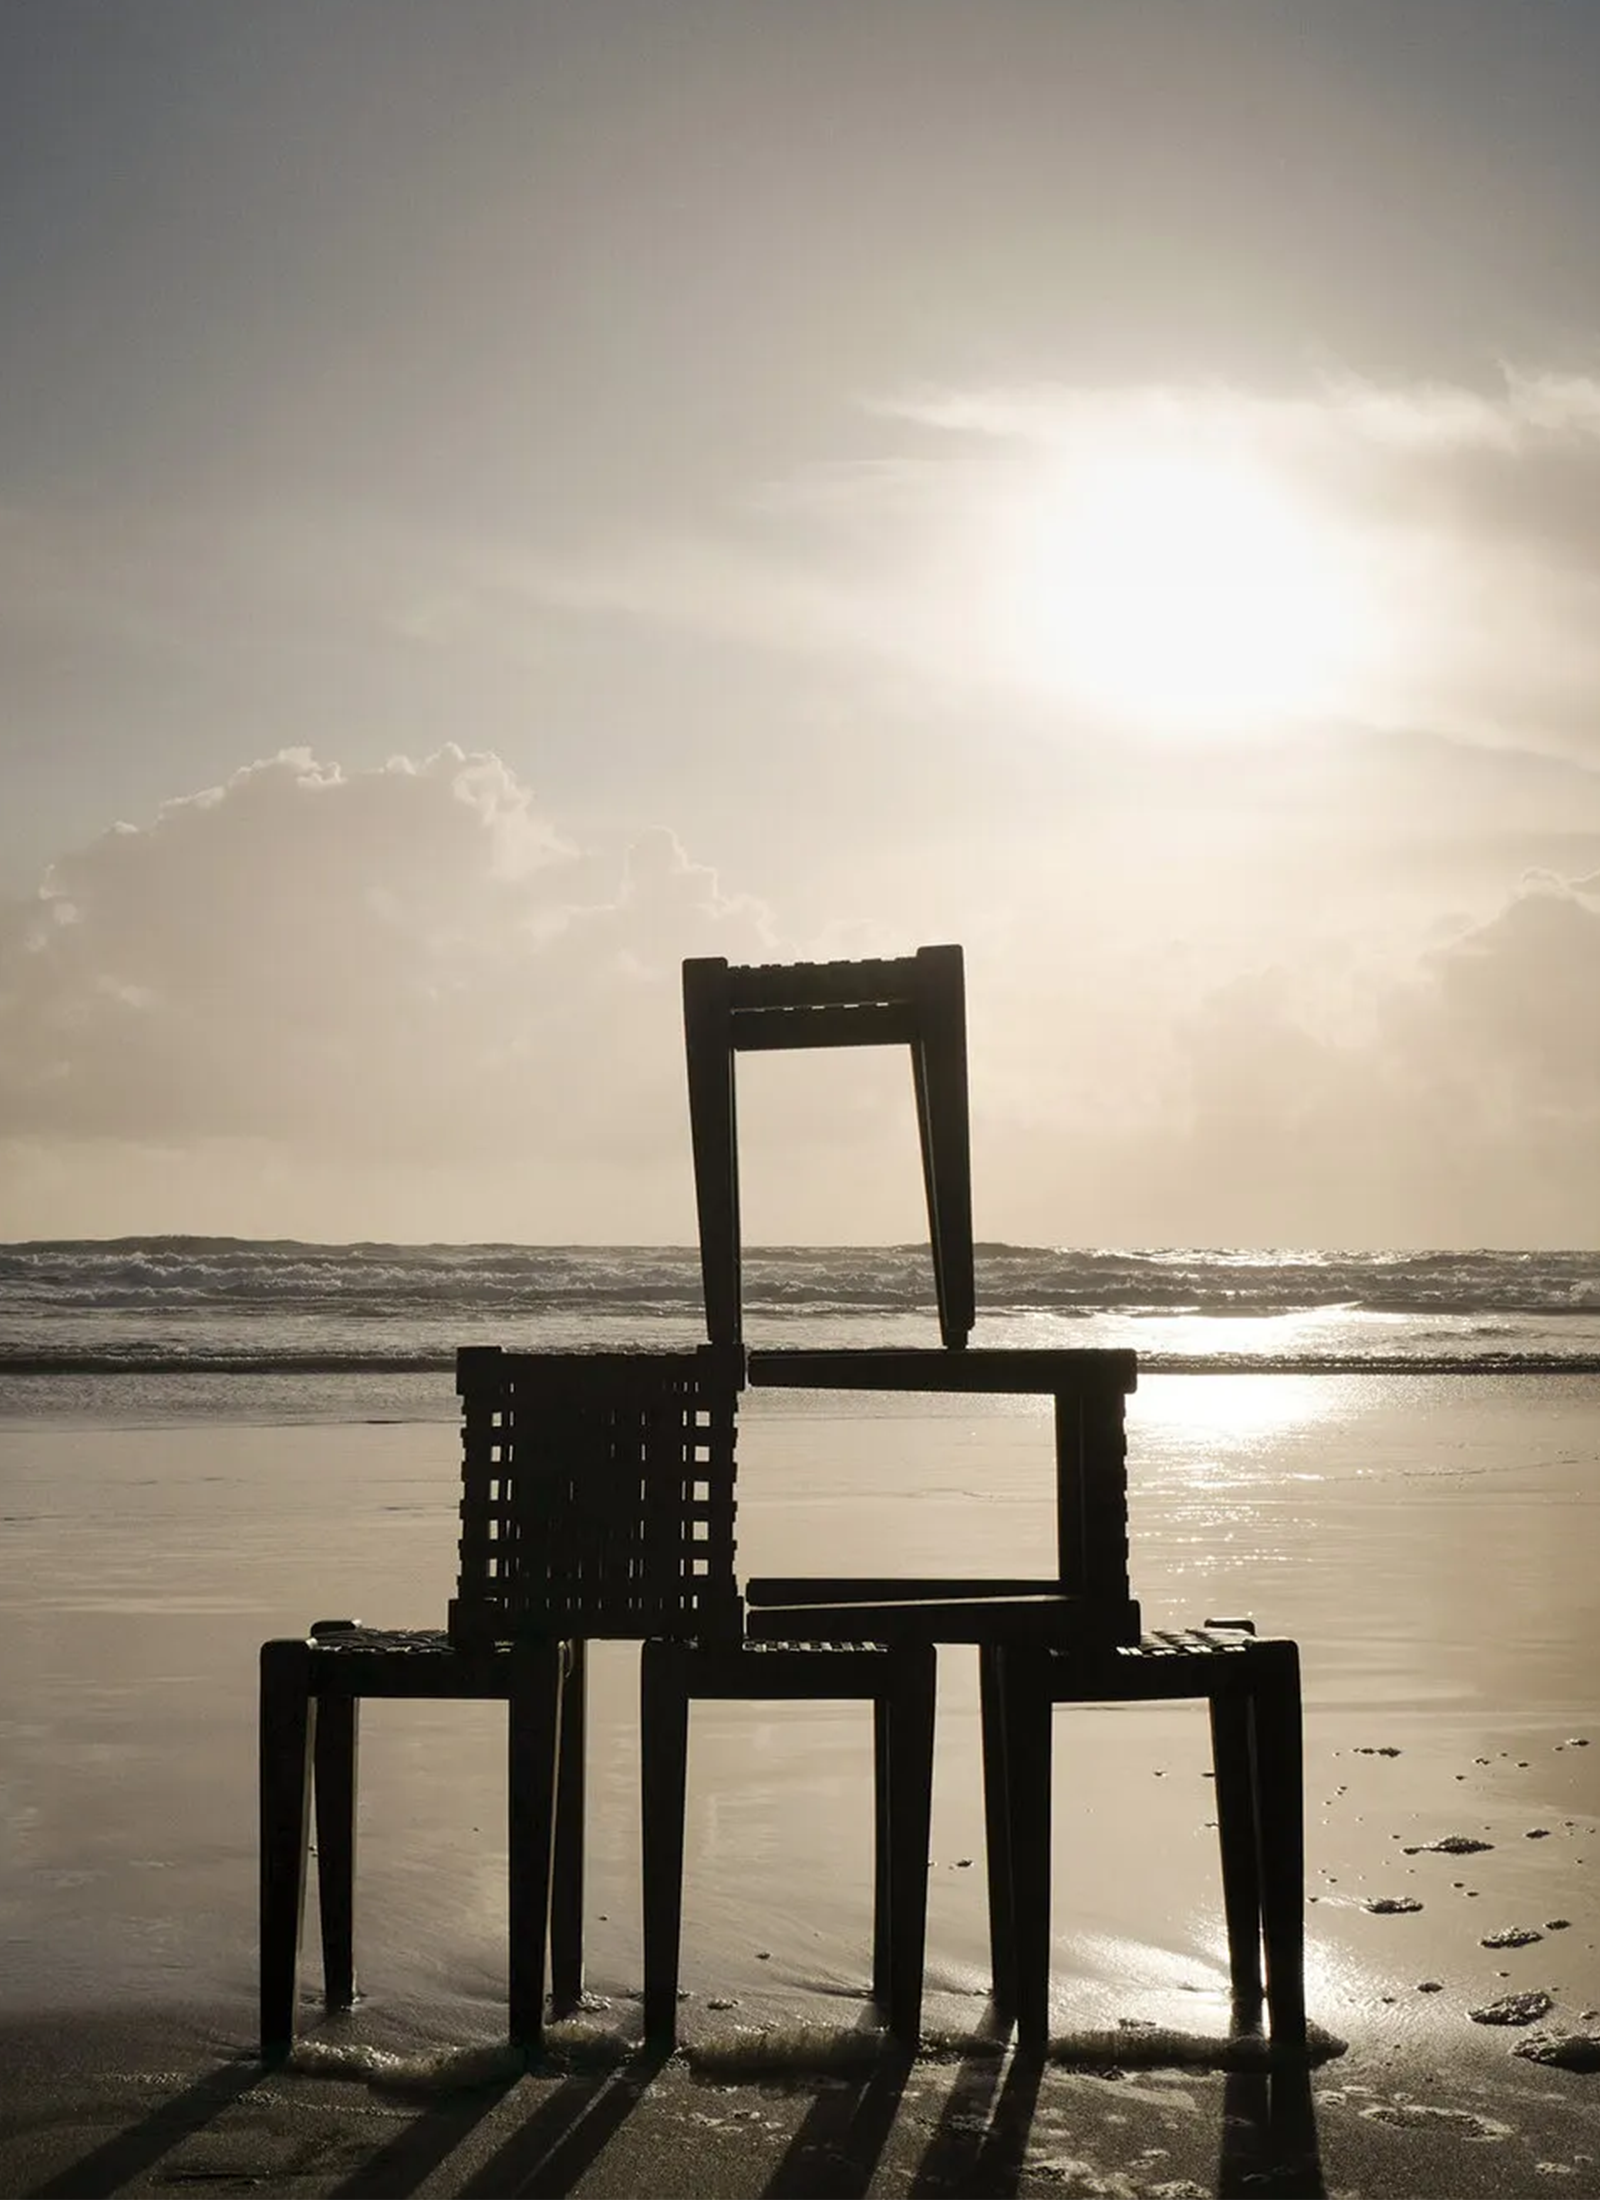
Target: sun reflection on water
<point>1242,1412</point>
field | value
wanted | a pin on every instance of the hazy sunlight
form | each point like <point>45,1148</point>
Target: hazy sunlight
<point>1182,588</point>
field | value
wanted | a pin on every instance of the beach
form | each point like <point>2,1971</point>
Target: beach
<point>1427,1539</point>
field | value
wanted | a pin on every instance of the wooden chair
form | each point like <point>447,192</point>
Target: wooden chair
<point>917,1001</point>
<point>559,1544</point>
<point>1076,1638</point>
<point>1252,1689</point>
<point>597,1503</point>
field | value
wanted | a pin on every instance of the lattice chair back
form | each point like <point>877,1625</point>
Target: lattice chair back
<point>597,1495</point>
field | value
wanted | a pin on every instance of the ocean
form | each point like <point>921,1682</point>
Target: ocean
<point>143,1308</point>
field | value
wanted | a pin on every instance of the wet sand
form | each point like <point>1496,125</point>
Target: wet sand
<point>1428,1541</point>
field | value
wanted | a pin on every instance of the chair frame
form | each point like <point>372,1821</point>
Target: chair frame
<point>1252,1689</point>
<point>915,1000</point>
<point>311,1693</point>
<point>900,1682</point>
<point>1077,1639</point>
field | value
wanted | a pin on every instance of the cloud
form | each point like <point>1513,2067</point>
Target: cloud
<point>1456,529</point>
<point>409,962</point>
<point>1527,411</point>
<point>1452,1101</point>
<point>403,1002</point>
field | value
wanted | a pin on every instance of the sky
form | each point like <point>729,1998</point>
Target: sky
<point>496,499</point>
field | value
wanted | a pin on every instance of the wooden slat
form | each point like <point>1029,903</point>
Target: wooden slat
<point>806,985</point>
<point>889,1588</point>
<point>1044,1620</point>
<point>1029,1371</point>
<point>871,1024</point>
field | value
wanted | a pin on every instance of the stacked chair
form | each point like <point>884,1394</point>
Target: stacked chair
<point>598,1503</point>
<point>1072,1637</point>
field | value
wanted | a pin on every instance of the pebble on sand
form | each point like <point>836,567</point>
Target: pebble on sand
<point>1562,2050</point>
<point>1514,2009</point>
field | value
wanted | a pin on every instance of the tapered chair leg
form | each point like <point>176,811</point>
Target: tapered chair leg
<point>910,1753</point>
<point>288,1717</point>
<point>882,1873</point>
<point>663,1768</point>
<point>714,1136</point>
<point>1232,1758</point>
<point>534,1743</point>
<point>566,1901</point>
<point>939,1071</point>
<point>997,1835</point>
<point>1280,1823</point>
<point>1029,1707</point>
<point>334,1788</point>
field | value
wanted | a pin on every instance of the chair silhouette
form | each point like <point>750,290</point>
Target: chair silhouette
<point>597,1502</point>
<point>1252,1688</point>
<point>550,1556</point>
<point>1075,1638</point>
<point>917,1001</point>
<point>607,1508</point>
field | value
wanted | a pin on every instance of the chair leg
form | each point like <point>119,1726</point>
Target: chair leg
<point>1232,1758</point>
<point>288,1719</point>
<point>910,1770</point>
<point>334,1756</point>
<point>939,1071</point>
<point>997,1836</point>
<point>882,1877</point>
<point>1029,1708</point>
<point>663,1767</point>
<point>566,1902</point>
<point>1280,1822</point>
<point>534,1740</point>
<point>714,1138</point>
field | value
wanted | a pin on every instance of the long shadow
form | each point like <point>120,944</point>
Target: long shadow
<point>834,2153</point>
<point>982,2138</point>
<point>550,2151</point>
<point>117,2162</point>
<point>399,2167</point>
<point>1269,2136</point>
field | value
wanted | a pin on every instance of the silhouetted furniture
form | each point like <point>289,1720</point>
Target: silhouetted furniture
<point>915,1000</point>
<point>597,1502</point>
<point>311,1693</point>
<point>1252,1688</point>
<point>1086,1598</point>
<point>899,1682</point>
<point>1076,1638</point>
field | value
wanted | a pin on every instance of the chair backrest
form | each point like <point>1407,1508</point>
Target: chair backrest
<point>597,1495</point>
<point>917,1001</point>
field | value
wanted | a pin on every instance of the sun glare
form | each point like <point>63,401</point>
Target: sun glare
<point>1181,590</point>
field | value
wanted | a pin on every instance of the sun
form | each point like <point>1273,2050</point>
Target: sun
<point>1178,588</point>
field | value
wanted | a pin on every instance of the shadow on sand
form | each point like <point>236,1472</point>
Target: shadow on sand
<point>979,2146</point>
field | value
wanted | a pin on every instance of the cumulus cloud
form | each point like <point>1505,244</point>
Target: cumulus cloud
<point>409,961</point>
<point>403,1002</point>
<point>1455,1100</point>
